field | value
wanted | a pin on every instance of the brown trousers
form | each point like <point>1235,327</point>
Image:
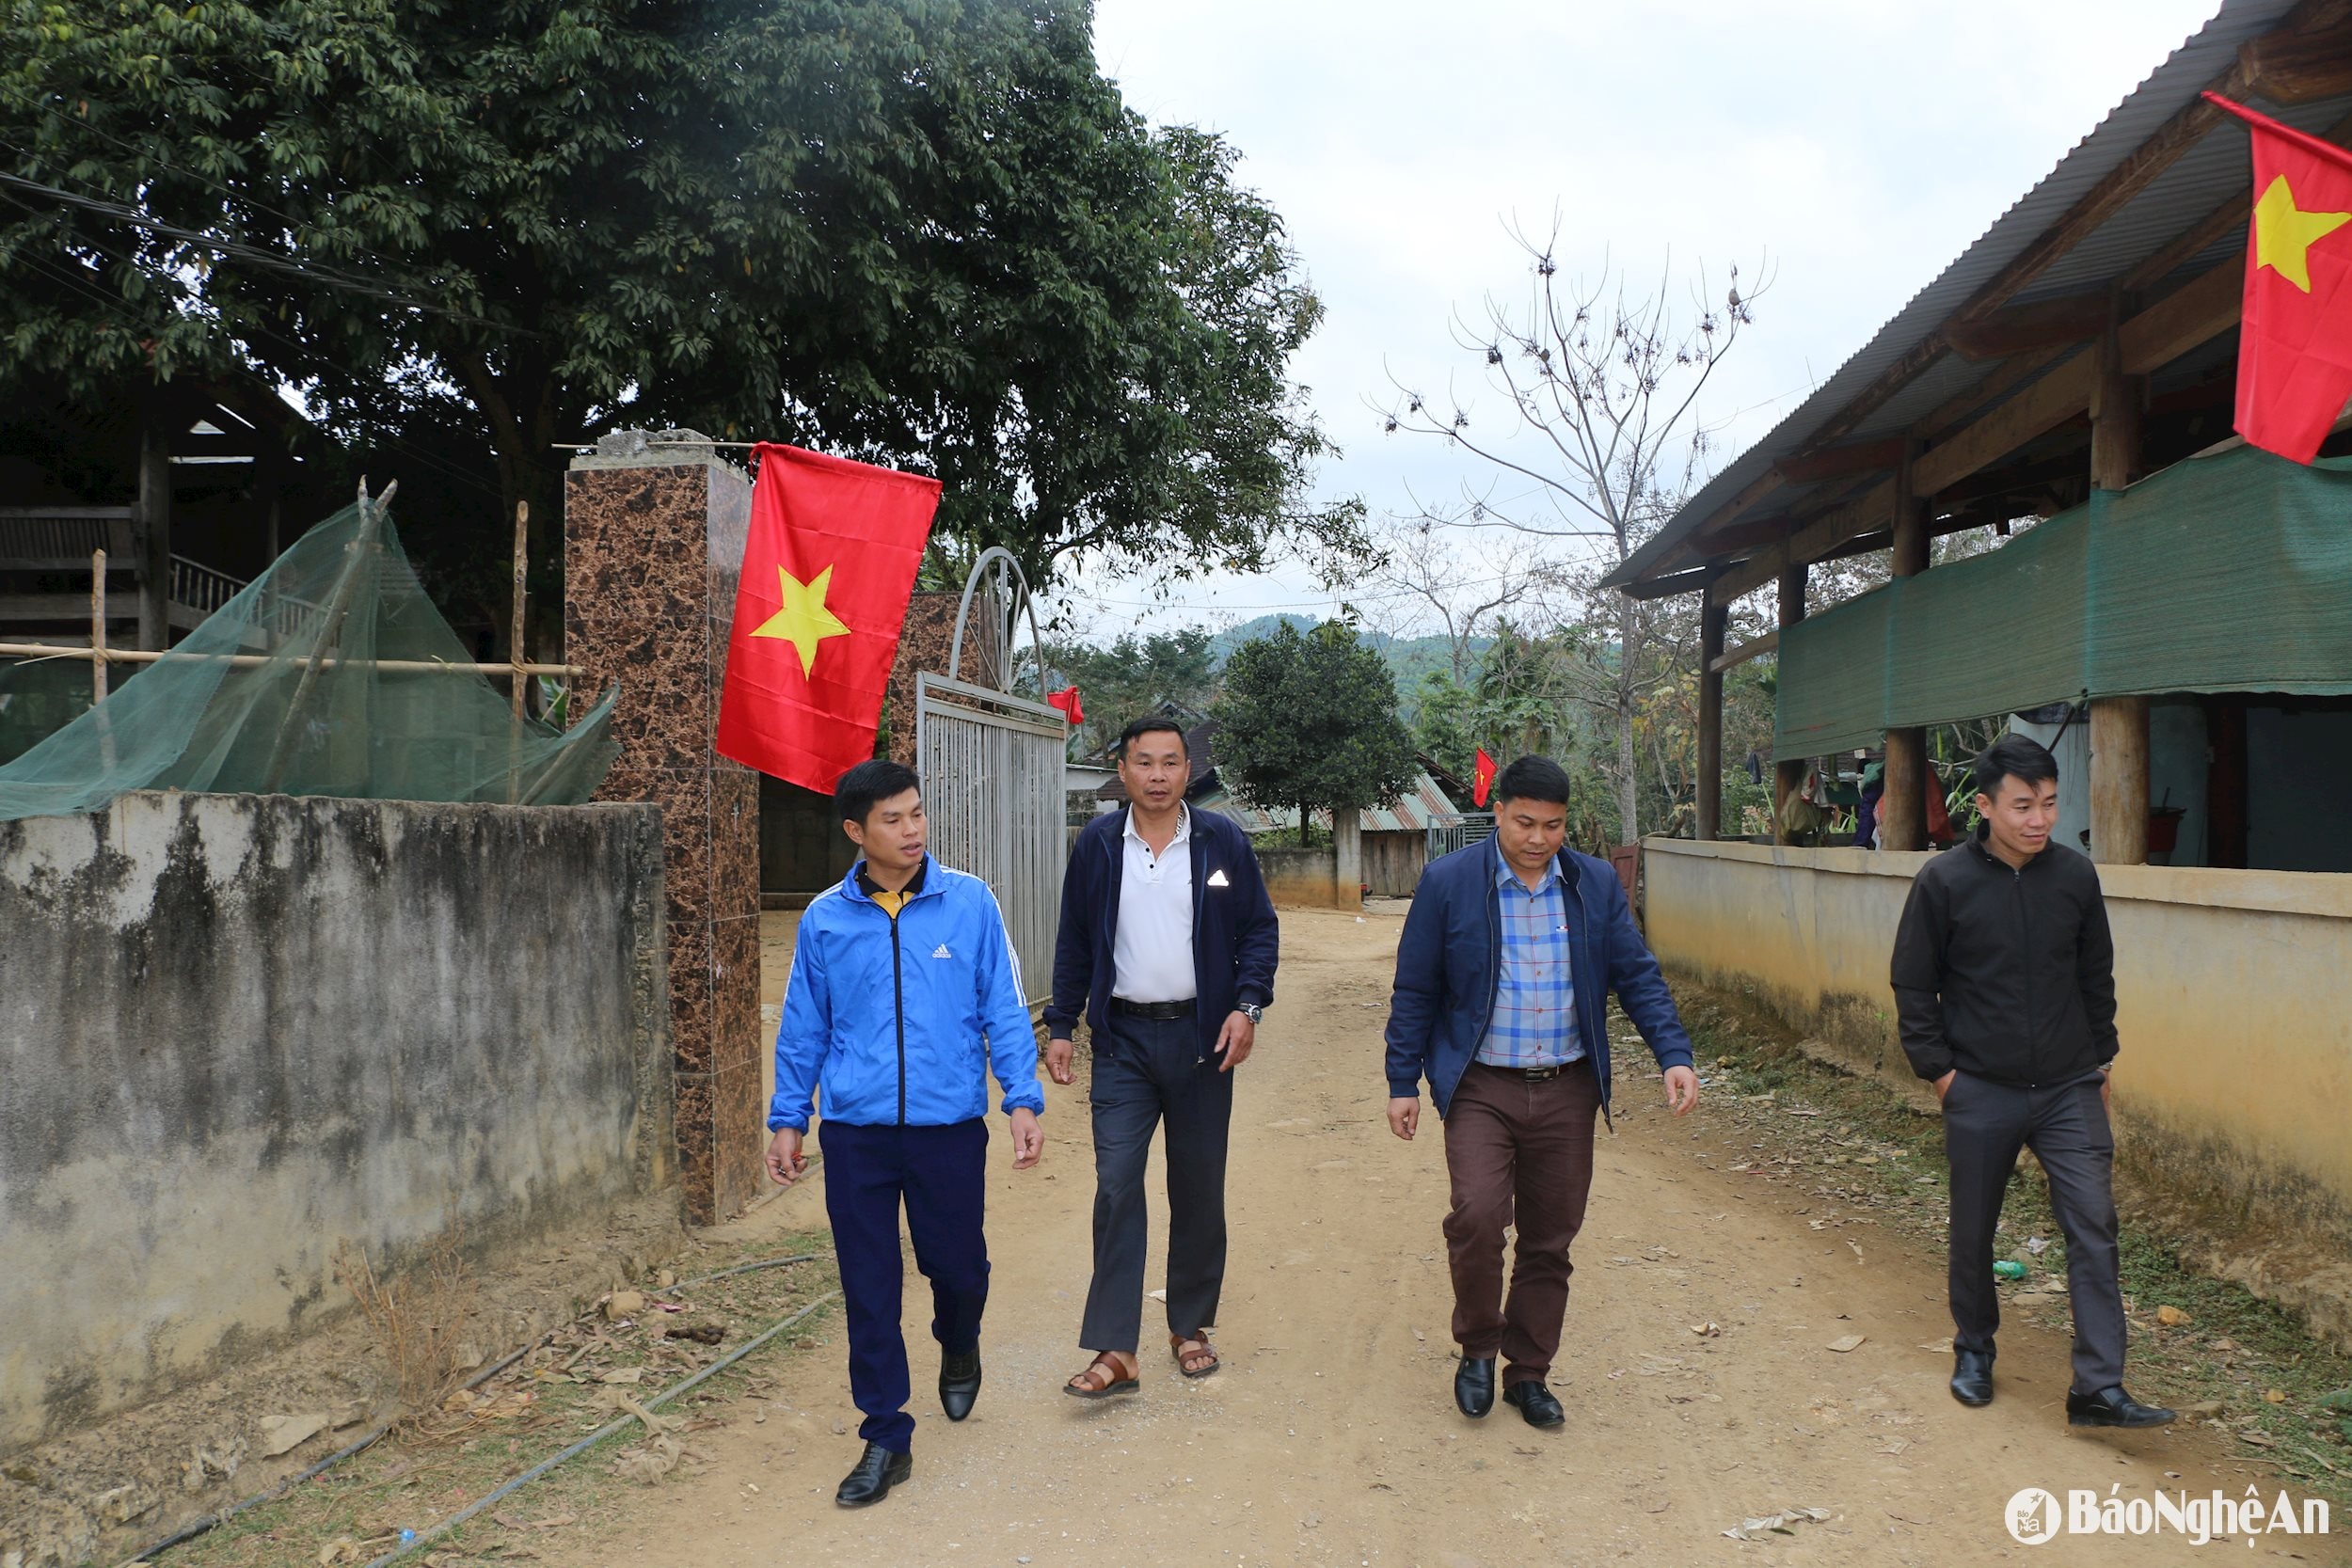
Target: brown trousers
<point>1520,1152</point>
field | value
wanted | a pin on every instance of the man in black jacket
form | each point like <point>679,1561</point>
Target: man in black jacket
<point>1167,945</point>
<point>2004,979</point>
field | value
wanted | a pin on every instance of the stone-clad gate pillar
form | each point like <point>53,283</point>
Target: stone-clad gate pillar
<point>652,546</point>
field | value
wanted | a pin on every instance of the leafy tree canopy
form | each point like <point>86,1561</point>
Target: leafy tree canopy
<point>919,231</point>
<point>1309,721</point>
<point>1135,675</point>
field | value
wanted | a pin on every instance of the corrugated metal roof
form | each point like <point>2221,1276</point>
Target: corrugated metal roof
<point>2200,180</point>
<point>1425,805</point>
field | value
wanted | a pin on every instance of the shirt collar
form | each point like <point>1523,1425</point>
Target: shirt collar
<point>1183,826</point>
<point>867,885</point>
<point>1507,872</point>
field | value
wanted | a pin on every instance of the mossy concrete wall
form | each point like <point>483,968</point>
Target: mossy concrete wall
<point>237,1032</point>
<point>2233,1085</point>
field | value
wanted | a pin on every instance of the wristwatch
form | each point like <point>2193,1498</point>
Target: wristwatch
<point>1251,1011</point>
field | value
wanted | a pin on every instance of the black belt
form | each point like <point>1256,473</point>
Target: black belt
<point>1533,1075</point>
<point>1152,1009</point>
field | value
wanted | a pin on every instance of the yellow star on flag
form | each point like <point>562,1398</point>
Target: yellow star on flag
<point>2283,232</point>
<point>802,621</point>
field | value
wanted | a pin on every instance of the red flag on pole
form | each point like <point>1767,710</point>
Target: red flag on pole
<point>2295,346</point>
<point>827,567</point>
<point>1482,778</point>
<point>1067,700</point>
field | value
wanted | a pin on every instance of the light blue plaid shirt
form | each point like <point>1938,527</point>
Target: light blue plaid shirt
<point>1534,1018</point>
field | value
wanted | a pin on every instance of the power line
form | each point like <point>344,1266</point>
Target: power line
<point>253,255</point>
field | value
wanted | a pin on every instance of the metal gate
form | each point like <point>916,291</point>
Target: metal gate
<point>992,769</point>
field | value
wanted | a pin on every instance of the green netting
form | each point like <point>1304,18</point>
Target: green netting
<point>2229,573</point>
<point>329,675</point>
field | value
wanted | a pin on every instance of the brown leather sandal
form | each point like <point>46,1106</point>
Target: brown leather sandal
<point>1195,1349</point>
<point>1110,1373</point>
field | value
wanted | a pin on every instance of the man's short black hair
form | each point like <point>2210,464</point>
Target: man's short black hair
<point>869,783</point>
<point>2014,756</point>
<point>1147,724</point>
<point>1533,779</point>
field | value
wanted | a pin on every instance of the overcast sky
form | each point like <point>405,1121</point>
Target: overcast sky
<point>1860,146</point>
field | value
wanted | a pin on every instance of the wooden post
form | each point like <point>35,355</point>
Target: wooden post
<point>515,646</point>
<point>97,627</point>
<point>1788,774</point>
<point>1712,618</point>
<point>152,526</point>
<point>1903,800</point>
<point>2119,725</point>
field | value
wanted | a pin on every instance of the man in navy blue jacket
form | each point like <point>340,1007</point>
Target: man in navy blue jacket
<point>904,994</point>
<point>1502,1002</point>
<point>1168,944</point>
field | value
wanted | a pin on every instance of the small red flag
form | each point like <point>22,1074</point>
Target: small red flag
<point>1067,700</point>
<point>1482,778</point>
<point>827,567</point>
<point>2295,346</point>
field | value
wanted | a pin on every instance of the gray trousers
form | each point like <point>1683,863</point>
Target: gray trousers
<point>1147,1072</point>
<point>1985,1124</point>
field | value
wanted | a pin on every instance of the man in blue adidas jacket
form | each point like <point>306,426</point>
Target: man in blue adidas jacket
<point>1501,1002</point>
<point>904,992</point>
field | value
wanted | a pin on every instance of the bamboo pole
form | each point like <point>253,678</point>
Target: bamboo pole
<point>514,647</point>
<point>515,652</point>
<point>97,626</point>
<point>254,661</point>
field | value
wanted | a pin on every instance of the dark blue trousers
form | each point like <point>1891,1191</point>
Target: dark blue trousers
<point>938,1174</point>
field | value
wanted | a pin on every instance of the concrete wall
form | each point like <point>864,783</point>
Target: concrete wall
<point>1306,878</point>
<point>238,1030</point>
<point>2233,1088</point>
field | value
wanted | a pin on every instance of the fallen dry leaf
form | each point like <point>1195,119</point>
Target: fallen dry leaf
<point>1848,1342</point>
<point>2171,1317</point>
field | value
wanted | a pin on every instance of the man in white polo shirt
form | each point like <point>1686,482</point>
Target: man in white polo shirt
<point>1168,947</point>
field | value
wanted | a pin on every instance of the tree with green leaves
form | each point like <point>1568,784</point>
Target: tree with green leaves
<point>1134,676</point>
<point>924,232</point>
<point>1309,721</point>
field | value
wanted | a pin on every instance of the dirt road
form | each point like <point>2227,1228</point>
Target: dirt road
<point>1331,1438</point>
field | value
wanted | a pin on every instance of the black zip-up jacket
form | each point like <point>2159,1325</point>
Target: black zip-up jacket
<point>2007,974</point>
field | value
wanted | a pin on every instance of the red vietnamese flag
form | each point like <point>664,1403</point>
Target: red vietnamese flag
<point>2295,346</point>
<point>1482,778</point>
<point>827,567</point>
<point>1067,700</point>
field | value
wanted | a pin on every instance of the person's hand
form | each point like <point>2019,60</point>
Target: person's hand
<point>1683,1090</point>
<point>1028,1139</point>
<point>1235,1041</point>
<point>1057,1054</point>
<point>1944,1084</point>
<point>1405,1116</point>
<point>785,1163</point>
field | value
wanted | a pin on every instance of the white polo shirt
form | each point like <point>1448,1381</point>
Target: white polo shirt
<point>1152,958</point>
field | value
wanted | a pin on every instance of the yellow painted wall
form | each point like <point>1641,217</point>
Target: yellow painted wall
<point>2233,1085</point>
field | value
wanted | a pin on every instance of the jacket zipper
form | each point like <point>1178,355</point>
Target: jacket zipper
<point>899,999</point>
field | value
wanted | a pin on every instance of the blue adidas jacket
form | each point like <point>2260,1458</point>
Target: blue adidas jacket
<point>898,1022</point>
<point>1236,939</point>
<point>1449,966</point>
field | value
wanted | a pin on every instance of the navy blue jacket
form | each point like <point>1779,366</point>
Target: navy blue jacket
<point>1234,939</point>
<point>1449,966</point>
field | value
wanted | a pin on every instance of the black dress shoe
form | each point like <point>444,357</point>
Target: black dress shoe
<point>1537,1404</point>
<point>1972,1377</point>
<point>1474,1385</point>
<point>958,1384</point>
<point>875,1475</point>
<point>2113,1407</point>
